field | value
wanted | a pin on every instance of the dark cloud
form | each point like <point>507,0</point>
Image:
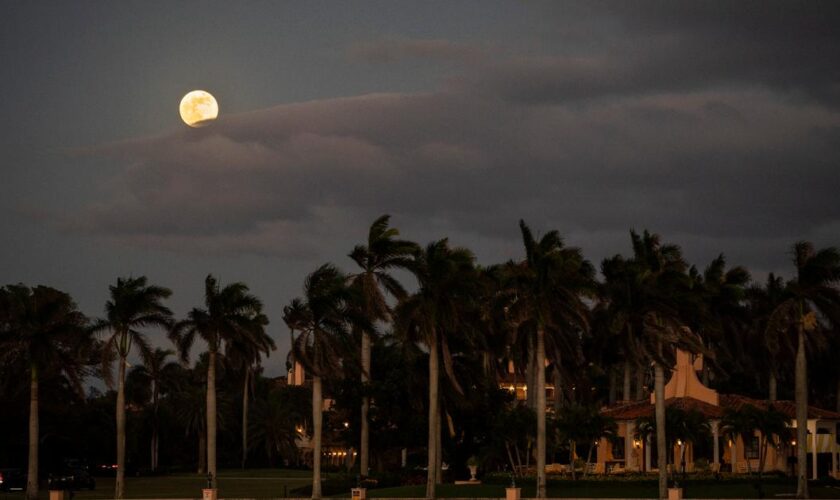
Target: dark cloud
<point>708,163</point>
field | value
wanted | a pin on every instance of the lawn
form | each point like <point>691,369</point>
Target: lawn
<point>251,483</point>
<point>274,483</point>
<point>615,489</point>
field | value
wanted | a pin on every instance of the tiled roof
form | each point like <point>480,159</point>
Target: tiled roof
<point>643,408</point>
<point>784,406</point>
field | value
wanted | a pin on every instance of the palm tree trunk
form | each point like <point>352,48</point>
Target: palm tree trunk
<point>588,461</point>
<point>155,427</point>
<point>119,485</point>
<point>640,383</point>
<point>625,390</point>
<point>613,388</point>
<point>801,416</point>
<point>439,447</point>
<point>32,474</point>
<point>510,458</point>
<point>531,378</point>
<point>539,366</point>
<point>245,392</point>
<point>317,426</point>
<point>572,459</point>
<point>771,386</point>
<point>661,444</point>
<point>558,388</point>
<point>431,480</point>
<point>211,417</point>
<point>364,455</point>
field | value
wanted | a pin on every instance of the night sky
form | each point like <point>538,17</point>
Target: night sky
<point>716,125</point>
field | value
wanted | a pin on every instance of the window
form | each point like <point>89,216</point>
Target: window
<point>618,449</point>
<point>752,448</point>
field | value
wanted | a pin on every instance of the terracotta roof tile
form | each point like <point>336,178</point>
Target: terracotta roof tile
<point>636,409</point>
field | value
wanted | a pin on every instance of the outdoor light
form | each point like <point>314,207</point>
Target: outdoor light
<point>346,424</point>
<point>679,442</point>
<point>793,442</point>
<point>637,443</point>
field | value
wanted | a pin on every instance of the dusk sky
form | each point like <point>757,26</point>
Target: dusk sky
<point>716,125</point>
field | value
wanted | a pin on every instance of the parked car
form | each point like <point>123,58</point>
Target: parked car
<point>12,479</point>
<point>72,477</point>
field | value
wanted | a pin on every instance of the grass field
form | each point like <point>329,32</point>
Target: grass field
<point>274,483</point>
<point>611,489</point>
<point>251,483</point>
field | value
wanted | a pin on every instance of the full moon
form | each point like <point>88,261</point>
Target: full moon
<point>198,108</point>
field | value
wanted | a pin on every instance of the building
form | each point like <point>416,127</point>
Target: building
<point>685,391</point>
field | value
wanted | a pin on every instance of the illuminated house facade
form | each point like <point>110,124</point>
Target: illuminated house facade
<point>685,391</point>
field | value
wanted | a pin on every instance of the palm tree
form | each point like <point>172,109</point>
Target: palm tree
<point>740,423</point>
<point>665,296</point>
<point>619,302</point>
<point>382,254</point>
<point>581,424</point>
<point>230,314</point>
<point>322,322</point>
<point>447,285</point>
<point>550,286</point>
<point>42,328</point>
<point>244,353</point>
<point>277,417</point>
<point>158,375</point>
<point>773,349</point>
<point>811,303</point>
<point>189,398</point>
<point>721,317</point>
<point>684,427</point>
<point>134,305</point>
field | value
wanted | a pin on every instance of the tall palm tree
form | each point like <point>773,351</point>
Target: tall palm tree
<point>42,328</point>
<point>230,314</point>
<point>620,295</point>
<point>322,322</point>
<point>550,290</point>
<point>158,374</point>
<point>134,305</point>
<point>774,349</point>
<point>294,315</point>
<point>447,284</point>
<point>665,298</point>
<point>721,316</point>
<point>382,254</point>
<point>811,304</point>
<point>245,353</point>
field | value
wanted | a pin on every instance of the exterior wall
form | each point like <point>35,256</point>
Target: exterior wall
<point>634,456</point>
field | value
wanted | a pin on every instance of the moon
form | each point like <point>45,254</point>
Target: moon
<point>198,108</point>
